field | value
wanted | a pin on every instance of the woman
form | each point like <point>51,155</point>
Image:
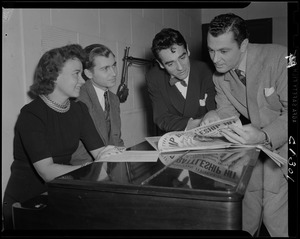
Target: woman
<point>49,128</point>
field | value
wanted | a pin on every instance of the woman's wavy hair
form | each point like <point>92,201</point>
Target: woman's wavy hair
<point>49,67</point>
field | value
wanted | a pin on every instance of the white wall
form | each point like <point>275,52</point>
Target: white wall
<point>28,33</point>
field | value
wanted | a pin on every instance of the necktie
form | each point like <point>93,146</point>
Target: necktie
<point>241,76</point>
<point>106,111</point>
<point>174,80</point>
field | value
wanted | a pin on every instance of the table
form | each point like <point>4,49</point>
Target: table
<point>201,198</point>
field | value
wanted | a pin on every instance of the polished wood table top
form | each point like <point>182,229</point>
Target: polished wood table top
<point>221,174</point>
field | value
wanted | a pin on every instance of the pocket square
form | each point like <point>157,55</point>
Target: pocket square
<point>269,91</point>
<point>202,102</point>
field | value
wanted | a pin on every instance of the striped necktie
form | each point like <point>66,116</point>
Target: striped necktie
<point>106,111</point>
<point>241,76</point>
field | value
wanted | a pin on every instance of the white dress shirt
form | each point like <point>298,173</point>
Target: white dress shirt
<point>181,88</point>
<point>100,95</point>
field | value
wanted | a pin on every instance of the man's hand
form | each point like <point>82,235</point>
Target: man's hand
<point>247,134</point>
<point>192,123</point>
<point>210,117</point>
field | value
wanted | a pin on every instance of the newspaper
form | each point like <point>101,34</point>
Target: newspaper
<point>205,137</point>
<point>225,167</point>
<point>213,129</point>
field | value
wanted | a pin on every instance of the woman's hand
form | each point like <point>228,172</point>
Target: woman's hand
<point>107,151</point>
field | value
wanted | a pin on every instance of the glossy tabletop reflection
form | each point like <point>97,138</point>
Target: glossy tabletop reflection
<point>221,174</point>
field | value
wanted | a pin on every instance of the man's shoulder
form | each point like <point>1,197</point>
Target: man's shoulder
<point>113,96</point>
<point>200,65</point>
<point>268,49</point>
<point>219,77</point>
<point>85,91</point>
<point>88,84</point>
<point>267,46</point>
<point>155,71</point>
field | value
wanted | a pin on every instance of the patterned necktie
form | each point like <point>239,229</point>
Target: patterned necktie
<point>241,76</point>
<point>106,111</point>
<point>174,80</point>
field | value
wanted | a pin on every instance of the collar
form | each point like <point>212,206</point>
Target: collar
<point>99,91</point>
<point>186,80</point>
<point>242,65</point>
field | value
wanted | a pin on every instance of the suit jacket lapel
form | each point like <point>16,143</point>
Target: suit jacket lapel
<point>97,111</point>
<point>237,88</point>
<point>113,113</point>
<point>226,86</point>
<point>193,92</point>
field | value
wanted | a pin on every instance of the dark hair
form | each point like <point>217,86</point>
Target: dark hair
<point>166,38</point>
<point>91,52</point>
<point>229,22</point>
<point>50,65</point>
<point>95,50</point>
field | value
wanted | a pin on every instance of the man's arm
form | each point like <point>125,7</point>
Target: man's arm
<point>276,131</point>
<point>277,128</point>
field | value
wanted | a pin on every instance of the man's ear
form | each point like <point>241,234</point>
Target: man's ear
<point>187,49</point>
<point>88,73</point>
<point>161,65</point>
<point>244,45</point>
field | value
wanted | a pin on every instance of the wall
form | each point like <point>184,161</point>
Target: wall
<point>28,33</point>
<point>275,10</point>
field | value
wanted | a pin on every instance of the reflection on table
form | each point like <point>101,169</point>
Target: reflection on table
<point>202,190</point>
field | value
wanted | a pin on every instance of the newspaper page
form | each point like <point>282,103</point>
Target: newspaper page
<point>180,141</point>
<point>222,167</point>
<point>153,141</point>
<point>213,129</point>
<point>203,137</point>
<point>206,137</point>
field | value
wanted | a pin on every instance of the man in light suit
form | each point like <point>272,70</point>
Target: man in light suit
<point>181,90</point>
<point>100,72</point>
<point>262,99</point>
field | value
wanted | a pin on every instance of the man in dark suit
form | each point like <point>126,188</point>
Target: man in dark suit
<point>100,72</point>
<point>181,91</point>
